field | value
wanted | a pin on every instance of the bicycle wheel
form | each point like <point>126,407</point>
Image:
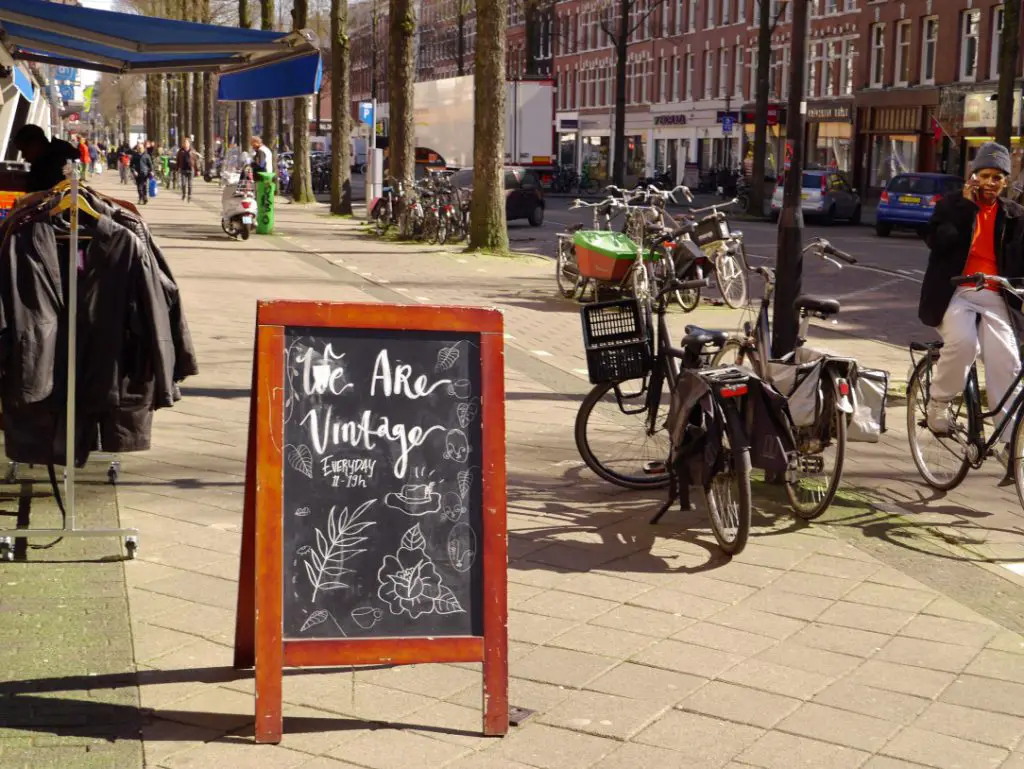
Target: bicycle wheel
<point>567,273</point>
<point>612,436</point>
<point>442,231</point>
<point>728,499</point>
<point>941,460</point>
<point>736,353</point>
<point>1017,459</point>
<point>812,486</point>
<point>732,282</point>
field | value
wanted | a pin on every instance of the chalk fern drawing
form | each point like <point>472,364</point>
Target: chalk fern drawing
<point>300,458</point>
<point>462,547</point>
<point>447,357</point>
<point>465,481</point>
<point>409,582</point>
<point>467,412</point>
<point>326,564</point>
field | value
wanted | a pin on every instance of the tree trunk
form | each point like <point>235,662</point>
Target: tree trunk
<point>302,186</point>
<point>209,130</point>
<point>1008,55</point>
<point>764,62</point>
<point>245,122</point>
<point>460,40</point>
<point>401,77</point>
<point>341,160</point>
<point>621,41</point>
<point>487,227</point>
<point>269,111</point>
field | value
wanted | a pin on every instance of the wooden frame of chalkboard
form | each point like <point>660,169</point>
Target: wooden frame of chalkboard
<point>465,607</point>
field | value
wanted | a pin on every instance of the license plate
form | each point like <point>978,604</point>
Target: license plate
<point>246,220</point>
<point>806,196</point>
<point>909,199</point>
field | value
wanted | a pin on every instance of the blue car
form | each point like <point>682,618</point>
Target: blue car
<point>909,201</point>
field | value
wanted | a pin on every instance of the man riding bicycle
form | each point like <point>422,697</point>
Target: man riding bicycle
<point>974,231</point>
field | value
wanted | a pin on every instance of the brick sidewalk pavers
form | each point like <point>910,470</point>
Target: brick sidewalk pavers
<point>635,645</point>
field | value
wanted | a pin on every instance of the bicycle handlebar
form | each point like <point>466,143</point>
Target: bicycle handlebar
<point>715,207</point>
<point>980,280</point>
<point>826,250</point>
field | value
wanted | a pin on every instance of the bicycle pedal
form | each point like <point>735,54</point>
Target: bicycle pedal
<point>655,468</point>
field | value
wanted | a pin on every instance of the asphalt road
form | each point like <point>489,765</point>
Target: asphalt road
<point>879,294</point>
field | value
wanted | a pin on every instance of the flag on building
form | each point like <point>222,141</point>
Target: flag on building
<point>87,99</point>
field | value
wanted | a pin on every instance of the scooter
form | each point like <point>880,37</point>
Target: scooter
<point>238,207</point>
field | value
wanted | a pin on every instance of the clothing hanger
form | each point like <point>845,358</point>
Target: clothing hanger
<point>64,204</point>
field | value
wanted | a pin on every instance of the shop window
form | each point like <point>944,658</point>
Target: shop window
<point>891,156</point>
<point>877,55</point>
<point>997,41</point>
<point>929,44</point>
<point>970,27</point>
<point>903,33</point>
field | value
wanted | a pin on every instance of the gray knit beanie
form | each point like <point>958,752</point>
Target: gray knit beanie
<point>992,155</point>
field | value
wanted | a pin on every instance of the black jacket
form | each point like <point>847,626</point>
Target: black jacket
<point>142,164</point>
<point>949,237</point>
<point>47,170</point>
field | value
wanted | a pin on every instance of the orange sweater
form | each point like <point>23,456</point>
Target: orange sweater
<point>982,256</point>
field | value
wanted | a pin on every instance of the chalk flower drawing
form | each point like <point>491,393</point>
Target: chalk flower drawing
<point>326,565</point>
<point>409,582</point>
<point>300,458</point>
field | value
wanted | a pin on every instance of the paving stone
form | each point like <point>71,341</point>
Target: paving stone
<point>437,681</point>
<point>323,762</point>
<point>890,597</point>
<point>548,747</point>
<point>870,701</point>
<point>162,739</point>
<point>902,678</point>
<point>715,589</point>
<point>862,617</point>
<point>568,606</point>
<point>860,643</point>
<point>657,624</point>
<point>818,585</point>
<point>786,604</point>
<point>886,762</point>
<point>807,658</point>
<point>679,604</point>
<point>724,639</point>
<point>949,631</point>
<point>759,622</point>
<point>747,574</point>
<point>535,628</point>
<point>643,682</point>
<point>776,750</point>
<point>705,741</point>
<point>839,726</point>
<point>1004,666</point>
<point>927,654</point>
<point>946,607</point>
<point>776,557</point>
<point>986,694</point>
<point>741,704</point>
<point>843,568</point>
<point>777,679</point>
<point>1006,641</point>
<point>604,641</point>
<point>604,587</point>
<point>603,714</point>
<point>687,658</point>
<point>234,754</point>
<point>213,707</point>
<point>562,667</point>
<point>996,729</point>
<point>487,760</point>
<point>392,748</point>
<point>942,751</point>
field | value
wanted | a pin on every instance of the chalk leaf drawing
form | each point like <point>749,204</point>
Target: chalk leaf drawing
<point>465,481</point>
<point>456,447</point>
<point>302,512</point>
<point>452,508</point>
<point>415,499</point>
<point>409,582</point>
<point>300,458</point>
<point>366,617</point>
<point>462,547</point>
<point>319,617</point>
<point>326,565</point>
<point>447,357</point>
<point>467,412</point>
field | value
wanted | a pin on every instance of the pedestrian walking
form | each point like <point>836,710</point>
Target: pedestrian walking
<point>142,170</point>
<point>188,167</point>
<point>124,162</point>
<point>973,231</point>
<point>83,157</point>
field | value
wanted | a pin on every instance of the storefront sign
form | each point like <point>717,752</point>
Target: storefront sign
<point>980,109</point>
<point>733,116</point>
<point>667,120</point>
<point>830,113</point>
<point>565,124</point>
<point>776,115</point>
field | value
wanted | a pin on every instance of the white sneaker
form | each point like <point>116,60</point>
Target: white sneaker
<point>939,418</point>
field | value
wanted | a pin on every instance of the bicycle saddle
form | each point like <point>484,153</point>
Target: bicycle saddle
<point>926,346</point>
<point>701,337</point>
<point>817,305</point>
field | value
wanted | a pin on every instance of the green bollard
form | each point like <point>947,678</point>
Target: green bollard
<point>265,193</point>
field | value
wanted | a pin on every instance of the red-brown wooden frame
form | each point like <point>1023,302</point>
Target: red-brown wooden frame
<point>259,623</point>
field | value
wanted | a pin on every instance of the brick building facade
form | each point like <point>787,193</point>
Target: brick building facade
<point>880,97</point>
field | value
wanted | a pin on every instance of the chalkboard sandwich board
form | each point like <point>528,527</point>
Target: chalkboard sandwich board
<point>374,525</point>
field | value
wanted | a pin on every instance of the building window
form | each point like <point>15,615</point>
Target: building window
<point>689,76</point>
<point>738,73</point>
<point>677,65</point>
<point>929,44</point>
<point>903,33</point>
<point>813,58</point>
<point>723,72</point>
<point>741,11</point>
<point>725,12</point>
<point>828,71</point>
<point>709,74</point>
<point>970,26</point>
<point>663,85</point>
<point>711,15</point>
<point>997,42</point>
<point>692,17</point>
<point>679,17</point>
<point>877,55</point>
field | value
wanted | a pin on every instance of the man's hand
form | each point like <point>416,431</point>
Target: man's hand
<point>971,190</point>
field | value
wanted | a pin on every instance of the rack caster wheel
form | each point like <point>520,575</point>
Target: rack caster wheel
<point>114,473</point>
<point>6,549</point>
<point>131,545</point>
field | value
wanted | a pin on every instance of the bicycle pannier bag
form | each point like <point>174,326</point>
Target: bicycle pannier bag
<point>870,393</point>
<point>801,384</point>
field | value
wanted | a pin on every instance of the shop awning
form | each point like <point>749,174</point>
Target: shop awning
<point>107,41</point>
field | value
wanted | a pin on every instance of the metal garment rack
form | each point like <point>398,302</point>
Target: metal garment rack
<point>131,536</point>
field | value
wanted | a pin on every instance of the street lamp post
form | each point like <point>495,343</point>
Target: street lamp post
<point>789,264</point>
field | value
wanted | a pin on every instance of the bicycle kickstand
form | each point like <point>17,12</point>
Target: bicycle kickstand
<point>673,493</point>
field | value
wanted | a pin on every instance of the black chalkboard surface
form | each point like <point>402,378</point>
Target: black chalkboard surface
<point>382,491</point>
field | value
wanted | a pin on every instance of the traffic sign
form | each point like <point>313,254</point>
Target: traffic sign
<point>366,112</point>
<point>727,124</point>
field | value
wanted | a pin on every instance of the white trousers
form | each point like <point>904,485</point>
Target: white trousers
<point>973,320</point>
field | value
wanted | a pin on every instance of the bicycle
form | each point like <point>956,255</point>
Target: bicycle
<point>723,251</point>
<point>385,208</point>
<point>585,183</point>
<point>965,447</point>
<point>813,480</point>
<point>628,396</point>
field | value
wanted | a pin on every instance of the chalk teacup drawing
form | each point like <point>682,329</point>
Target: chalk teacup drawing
<point>456,447</point>
<point>460,388</point>
<point>415,499</point>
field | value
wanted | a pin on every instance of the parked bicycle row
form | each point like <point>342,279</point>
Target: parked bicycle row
<point>431,209</point>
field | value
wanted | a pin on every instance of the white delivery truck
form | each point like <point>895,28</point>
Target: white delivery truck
<point>444,121</point>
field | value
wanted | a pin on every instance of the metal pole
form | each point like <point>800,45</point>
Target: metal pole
<point>370,179</point>
<point>72,303</point>
<point>789,265</point>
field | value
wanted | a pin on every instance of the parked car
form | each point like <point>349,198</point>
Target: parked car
<point>524,196</point>
<point>909,200</point>
<point>827,194</point>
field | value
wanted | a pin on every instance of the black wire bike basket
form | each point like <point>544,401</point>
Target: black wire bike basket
<point>616,341</point>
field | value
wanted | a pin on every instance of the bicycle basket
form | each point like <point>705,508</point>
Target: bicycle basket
<point>711,229</point>
<point>615,340</point>
<point>603,255</point>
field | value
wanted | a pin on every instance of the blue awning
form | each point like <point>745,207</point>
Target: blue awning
<point>254,84</point>
<point>108,41</point>
<point>24,84</point>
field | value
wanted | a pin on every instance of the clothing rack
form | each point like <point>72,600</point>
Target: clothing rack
<point>131,536</point>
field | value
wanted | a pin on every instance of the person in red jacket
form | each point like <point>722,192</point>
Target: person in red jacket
<point>83,155</point>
